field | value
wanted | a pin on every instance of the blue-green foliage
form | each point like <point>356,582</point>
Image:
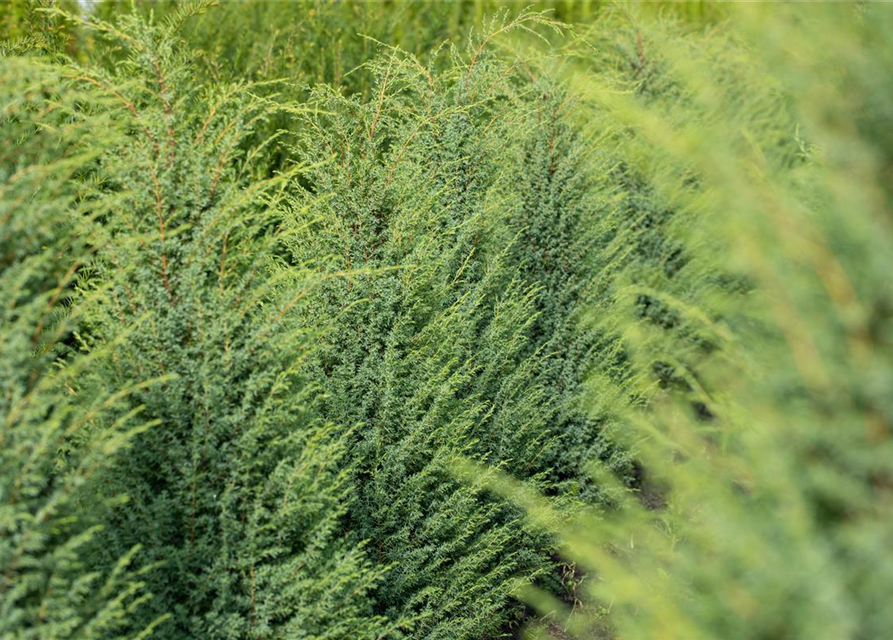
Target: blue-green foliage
<point>236,495</point>
<point>426,355</point>
<point>314,347</point>
<point>567,248</point>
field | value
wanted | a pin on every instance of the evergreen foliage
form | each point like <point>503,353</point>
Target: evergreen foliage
<point>237,494</point>
<point>323,41</point>
<point>427,360</point>
<point>568,249</point>
<point>58,425</point>
<point>769,451</point>
<point>288,291</point>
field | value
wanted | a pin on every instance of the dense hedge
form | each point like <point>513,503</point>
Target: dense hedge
<point>270,289</point>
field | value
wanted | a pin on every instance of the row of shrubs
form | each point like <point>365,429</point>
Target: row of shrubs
<point>270,328</point>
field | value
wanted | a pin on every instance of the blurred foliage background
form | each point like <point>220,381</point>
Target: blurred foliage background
<point>766,426</point>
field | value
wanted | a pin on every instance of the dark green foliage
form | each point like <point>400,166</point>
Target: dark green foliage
<point>426,355</point>
<point>236,495</point>
<point>567,249</point>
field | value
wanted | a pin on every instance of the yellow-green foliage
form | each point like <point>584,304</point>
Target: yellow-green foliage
<point>58,425</point>
<point>767,509</point>
<point>303,305</point>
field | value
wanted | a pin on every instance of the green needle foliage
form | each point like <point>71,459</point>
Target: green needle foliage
<point>567,247</point>
<point>58,426</point>
<point>770,451</point>
<point>427,354</point>
<point>236,495</point>
<point>270,271</point>
<point>324,41</point>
